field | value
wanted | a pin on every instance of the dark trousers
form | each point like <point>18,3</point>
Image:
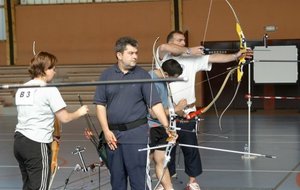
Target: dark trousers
<point>126,162</point>
<point>34,161</point>
<point>192,161</point>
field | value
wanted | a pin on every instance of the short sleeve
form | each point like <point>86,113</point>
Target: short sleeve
<point>55,99</point>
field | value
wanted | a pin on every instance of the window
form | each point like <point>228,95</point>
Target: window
<point>2,21</point>
<point>30,2</point>
<point>38,2</point>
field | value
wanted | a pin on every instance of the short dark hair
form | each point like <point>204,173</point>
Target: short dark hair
<point>171,34</point>
<point>40,63</point>
<point>122,42</point>
<point>172,67</point>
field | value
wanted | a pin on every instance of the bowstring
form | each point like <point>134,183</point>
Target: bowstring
<point>148,177</point>
<point>33,48</point>
<point>203,41</point>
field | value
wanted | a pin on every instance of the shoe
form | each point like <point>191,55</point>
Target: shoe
<point>160,187</point>
<point>192,186</point>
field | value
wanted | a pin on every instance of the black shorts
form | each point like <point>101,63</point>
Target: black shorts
<point>158,136</point>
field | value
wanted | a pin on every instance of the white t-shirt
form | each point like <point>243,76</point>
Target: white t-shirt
<point>190,65</point>
<point>36,108</point>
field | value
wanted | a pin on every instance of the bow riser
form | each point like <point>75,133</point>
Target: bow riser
<point>55,150</point>
<point>243,46</point>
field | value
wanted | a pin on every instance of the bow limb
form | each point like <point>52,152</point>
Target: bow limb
<point>172,114</point>
<point>243,46</point>
<point>243,43</point>
<point>172,117</point>
<point>55,150</point>
<point>203,110</point>
<point>156,61</point>
<point>241,59</point>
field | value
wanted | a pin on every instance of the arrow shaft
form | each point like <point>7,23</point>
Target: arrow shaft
<point>226,150</point>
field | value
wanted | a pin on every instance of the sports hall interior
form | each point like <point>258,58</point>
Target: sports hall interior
<point>263,117</point>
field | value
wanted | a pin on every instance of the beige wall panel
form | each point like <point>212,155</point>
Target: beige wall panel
<point>254,15</point>
<point>3,53</point>
<point>86,33</point>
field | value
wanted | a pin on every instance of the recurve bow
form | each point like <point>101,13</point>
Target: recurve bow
<point>55,150</point>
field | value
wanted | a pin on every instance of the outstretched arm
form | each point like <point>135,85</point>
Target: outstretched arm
<point>64,116</point>
<point>177,50</point>
<point>224,58</point>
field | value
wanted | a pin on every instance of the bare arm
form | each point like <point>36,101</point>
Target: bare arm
<point>102,117</point>
<point>178,108</point>
<point>159,111</point>
<point>64,116</point>
<point>224,58</point>
<point>179,50</point>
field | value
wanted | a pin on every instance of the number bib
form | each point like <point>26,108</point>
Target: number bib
<point>25,96</point>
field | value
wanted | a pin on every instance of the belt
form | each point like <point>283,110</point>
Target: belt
<point>128,126</point>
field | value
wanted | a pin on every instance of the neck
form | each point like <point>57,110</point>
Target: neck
<point>158,72</point>
<point>41,78</point>
<point>124,68</point>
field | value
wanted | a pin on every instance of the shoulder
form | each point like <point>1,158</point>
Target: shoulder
<point>163,47</point>
<point>163,50</point>
<point>151,73</point>
<point>51,92</point>
<point>141,70</point>
<point>108,71</point>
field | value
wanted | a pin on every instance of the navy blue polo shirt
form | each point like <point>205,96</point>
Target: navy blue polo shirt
<point>126,102</point>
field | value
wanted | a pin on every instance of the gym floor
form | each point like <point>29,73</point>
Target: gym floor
<point>272,133</point>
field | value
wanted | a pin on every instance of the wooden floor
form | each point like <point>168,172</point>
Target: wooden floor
<point>273,133</point>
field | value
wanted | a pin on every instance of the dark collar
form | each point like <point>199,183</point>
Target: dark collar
<point>118,70</point>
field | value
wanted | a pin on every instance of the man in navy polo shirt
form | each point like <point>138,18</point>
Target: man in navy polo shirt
<point>122,113</point>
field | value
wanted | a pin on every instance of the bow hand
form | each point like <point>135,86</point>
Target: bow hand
<point>83,110</point>
<point>172,135</point>
<point>244,54</point>
<point>56,139</point>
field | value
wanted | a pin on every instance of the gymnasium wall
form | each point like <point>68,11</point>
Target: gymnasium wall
<point>85,33</point>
